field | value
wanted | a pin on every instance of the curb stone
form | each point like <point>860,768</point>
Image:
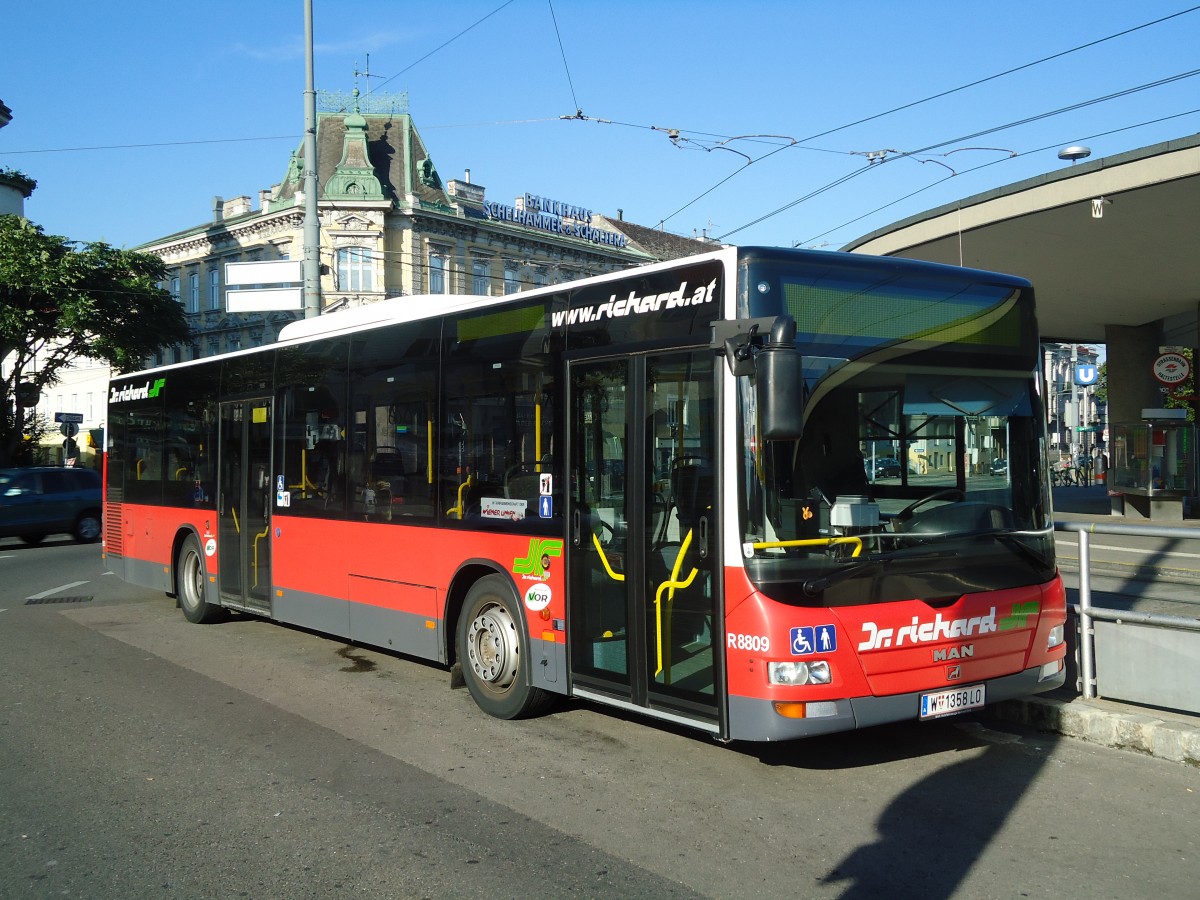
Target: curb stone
<point>1162,737</point>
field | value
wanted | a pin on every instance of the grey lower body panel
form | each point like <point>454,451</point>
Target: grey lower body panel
<point>756,720</point>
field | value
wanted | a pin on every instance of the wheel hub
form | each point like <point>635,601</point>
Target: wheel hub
<point>492,647</point>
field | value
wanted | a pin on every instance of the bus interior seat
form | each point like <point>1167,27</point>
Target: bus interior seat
<point>691,489</point>
<point>521,482</point>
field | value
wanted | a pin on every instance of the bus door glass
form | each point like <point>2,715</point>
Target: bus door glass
<point>244,504</point>
<point>643,530</point>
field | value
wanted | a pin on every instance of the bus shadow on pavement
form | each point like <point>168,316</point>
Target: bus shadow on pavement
<point>931,834</point>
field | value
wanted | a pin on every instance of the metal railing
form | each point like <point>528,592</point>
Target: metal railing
<point>1089,615</point>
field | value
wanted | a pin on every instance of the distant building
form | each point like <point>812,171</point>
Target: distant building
<point>1075,419</point>
<point>390,226</point>
<point>15,187</point>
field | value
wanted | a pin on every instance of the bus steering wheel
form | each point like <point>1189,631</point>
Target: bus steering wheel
<point>947,494</point>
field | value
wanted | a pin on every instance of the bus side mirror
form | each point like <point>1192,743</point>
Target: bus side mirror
<point>779,384</point>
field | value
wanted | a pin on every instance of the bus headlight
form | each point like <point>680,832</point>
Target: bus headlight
<point>1056,637</point>
<point>793,673</point>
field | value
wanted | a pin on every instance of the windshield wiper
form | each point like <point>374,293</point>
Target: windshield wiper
<point>814,586</point>
<point>1012,542</point>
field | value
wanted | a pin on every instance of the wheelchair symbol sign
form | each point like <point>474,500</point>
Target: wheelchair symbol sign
<point>809,639</point>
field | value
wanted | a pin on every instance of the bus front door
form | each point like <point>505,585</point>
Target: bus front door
<point>643,520</point>
<point>244,504</point>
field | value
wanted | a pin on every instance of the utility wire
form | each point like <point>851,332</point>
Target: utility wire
<point>554,18</point>
<point>1089,137</point>
<point>1065,109</point>
<point>937,96</point>
<point>1028,65</point>
<point>447,42</point>
<point>278,137</point>
<point>912,154</point>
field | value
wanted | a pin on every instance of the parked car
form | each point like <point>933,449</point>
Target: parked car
<point>888,467</point>
<point>999,466</point>
<point>38,501</point>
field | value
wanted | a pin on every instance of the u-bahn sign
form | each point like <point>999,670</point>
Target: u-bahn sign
<point>1172,368</point>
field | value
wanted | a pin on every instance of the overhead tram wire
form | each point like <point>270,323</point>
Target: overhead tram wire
<point>914,154</point>
<point>446,43</point>
<point>1051,146</point>
<point>277,137</point>
<point>566,68</point>
<point>1015,69</point>
<point>937,96</point>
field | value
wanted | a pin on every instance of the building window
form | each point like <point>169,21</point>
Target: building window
<point>214,288</point>
<point>437,272</point>
<point>540,278</point>
<point>354,269</point>
<point>234,342</point>
<point>193,304</point>
<point>175,288</point>
<point>512,278</point>
<point>481,277</point>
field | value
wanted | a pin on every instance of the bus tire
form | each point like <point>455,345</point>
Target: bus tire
<point>190,578</point>
<point>492,650</point>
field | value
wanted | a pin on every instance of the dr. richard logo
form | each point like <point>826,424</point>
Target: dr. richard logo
<point>921,632</point>
<point>146,391</point>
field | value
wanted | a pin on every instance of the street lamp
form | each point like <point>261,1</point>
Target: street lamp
<point>1074,153</point>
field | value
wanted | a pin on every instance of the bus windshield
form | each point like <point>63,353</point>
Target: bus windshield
<point>921,471</point>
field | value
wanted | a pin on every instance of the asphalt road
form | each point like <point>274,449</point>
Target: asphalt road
<point>143,756</point>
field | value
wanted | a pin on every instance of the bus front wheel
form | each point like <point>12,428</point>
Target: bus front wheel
<point>492,653</point>
<point>190,577</point>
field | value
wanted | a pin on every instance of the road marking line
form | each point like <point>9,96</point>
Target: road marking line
<point>1142,551</point>
<point>61,587</point>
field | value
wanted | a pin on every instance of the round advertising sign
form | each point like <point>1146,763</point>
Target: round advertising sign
<point>1172,368</point>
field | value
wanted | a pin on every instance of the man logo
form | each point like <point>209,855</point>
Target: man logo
<point>953,673</point>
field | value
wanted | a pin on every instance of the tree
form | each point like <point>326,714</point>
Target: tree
<point>61,300</point>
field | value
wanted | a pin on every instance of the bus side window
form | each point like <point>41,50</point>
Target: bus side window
<point>390,475</point>
<point>312,455</point>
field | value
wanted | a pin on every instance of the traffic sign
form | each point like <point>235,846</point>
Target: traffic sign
<point>1172,368</point>
<point>77,418</point>
<point>68,429</point>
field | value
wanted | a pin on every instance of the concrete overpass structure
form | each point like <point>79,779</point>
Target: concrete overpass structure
<point>1112,247</point>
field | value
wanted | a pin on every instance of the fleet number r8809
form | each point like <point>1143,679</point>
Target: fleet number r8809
<point>757,643</point>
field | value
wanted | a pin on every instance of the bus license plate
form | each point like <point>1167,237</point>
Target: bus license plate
<point>947,703</point>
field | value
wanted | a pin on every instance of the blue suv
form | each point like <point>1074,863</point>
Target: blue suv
<point>39,501</point>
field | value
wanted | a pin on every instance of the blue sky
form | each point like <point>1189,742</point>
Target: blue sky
<point>132,116</point>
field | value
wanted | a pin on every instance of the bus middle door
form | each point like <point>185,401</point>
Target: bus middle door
<point>643,518</point>
<point>244,504</point>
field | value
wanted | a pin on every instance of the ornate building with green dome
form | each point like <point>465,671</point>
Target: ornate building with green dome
<point>389,226</point>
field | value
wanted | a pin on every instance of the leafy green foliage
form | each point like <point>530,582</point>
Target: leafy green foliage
<point>61,300</point>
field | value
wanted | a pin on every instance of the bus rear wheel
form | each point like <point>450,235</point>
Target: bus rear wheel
<point>493,654</point>
<point>190,577</point>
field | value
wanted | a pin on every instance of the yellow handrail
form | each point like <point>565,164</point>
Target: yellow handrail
<point>457,509</point>
<point>257,538</point>
<point>811,542</point>
<point>615,576</point>
<point>670,585</point>
<point>305,484</point>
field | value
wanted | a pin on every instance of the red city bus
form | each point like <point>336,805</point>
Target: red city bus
<point>749,491</point>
